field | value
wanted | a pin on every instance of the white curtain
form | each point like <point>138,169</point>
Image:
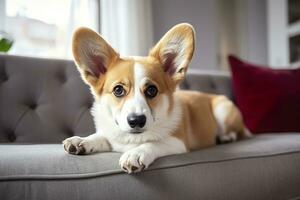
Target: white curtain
<point>127,25</point>
<point>46,32</point>
<point>2,15</point>
<point>82,13</point>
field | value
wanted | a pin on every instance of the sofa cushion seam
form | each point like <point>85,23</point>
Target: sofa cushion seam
<point>114,172</point>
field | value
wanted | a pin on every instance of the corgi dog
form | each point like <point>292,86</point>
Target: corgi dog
<point>139,111</point>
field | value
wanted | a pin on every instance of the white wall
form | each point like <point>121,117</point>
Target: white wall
<point>243,30</point>
<point>277,33</point>
<point>227,29</point>
<point>202,14</point>
<point>257,31</point>
<point>223,27</point>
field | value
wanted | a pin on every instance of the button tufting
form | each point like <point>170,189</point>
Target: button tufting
<point>69,132</point>
<point>185,84</point>
<point>62,77</point>
<point>33,106</point>
<point>11,137</point>
<point>3,77</point>
<point>213,85</point>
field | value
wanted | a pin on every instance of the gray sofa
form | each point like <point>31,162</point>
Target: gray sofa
<point>43,101</point>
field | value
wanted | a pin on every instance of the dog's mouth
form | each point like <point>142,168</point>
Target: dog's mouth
<point>136,131</point>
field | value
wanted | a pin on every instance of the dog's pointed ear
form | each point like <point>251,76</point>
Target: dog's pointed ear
<point>92,54</point>
<point>175,49</point>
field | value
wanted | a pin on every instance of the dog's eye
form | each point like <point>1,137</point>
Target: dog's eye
<point>119,91</point>
<point>151,91</point>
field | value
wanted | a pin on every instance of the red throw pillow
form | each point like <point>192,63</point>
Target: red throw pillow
<point>269,99</point>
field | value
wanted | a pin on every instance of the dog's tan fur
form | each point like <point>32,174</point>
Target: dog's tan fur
<point>199,125</point>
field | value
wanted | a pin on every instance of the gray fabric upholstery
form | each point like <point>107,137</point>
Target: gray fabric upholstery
<point>207,81</point>
<point>42,100</point>
<point>45,101</point>
<point>265,167</point>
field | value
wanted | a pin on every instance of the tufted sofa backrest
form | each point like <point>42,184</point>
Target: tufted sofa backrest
<point>45,100</point>
<point>42,100</point>
<point>214,82</point>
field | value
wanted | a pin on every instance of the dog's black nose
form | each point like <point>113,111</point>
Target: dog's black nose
<point>135,120</point>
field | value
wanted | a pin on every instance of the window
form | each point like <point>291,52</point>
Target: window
<point>44,28</point>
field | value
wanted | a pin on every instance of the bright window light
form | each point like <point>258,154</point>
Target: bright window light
<point>44,28</point>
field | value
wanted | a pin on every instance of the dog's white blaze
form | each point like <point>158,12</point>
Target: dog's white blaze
<point>139,99</point>
<point>137,104</point>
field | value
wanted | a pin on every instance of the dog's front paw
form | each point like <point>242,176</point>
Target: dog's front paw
<point>135,160</point>
<point>77,145</point>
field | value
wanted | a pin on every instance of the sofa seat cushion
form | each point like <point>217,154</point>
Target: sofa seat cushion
<point>264,167</point>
